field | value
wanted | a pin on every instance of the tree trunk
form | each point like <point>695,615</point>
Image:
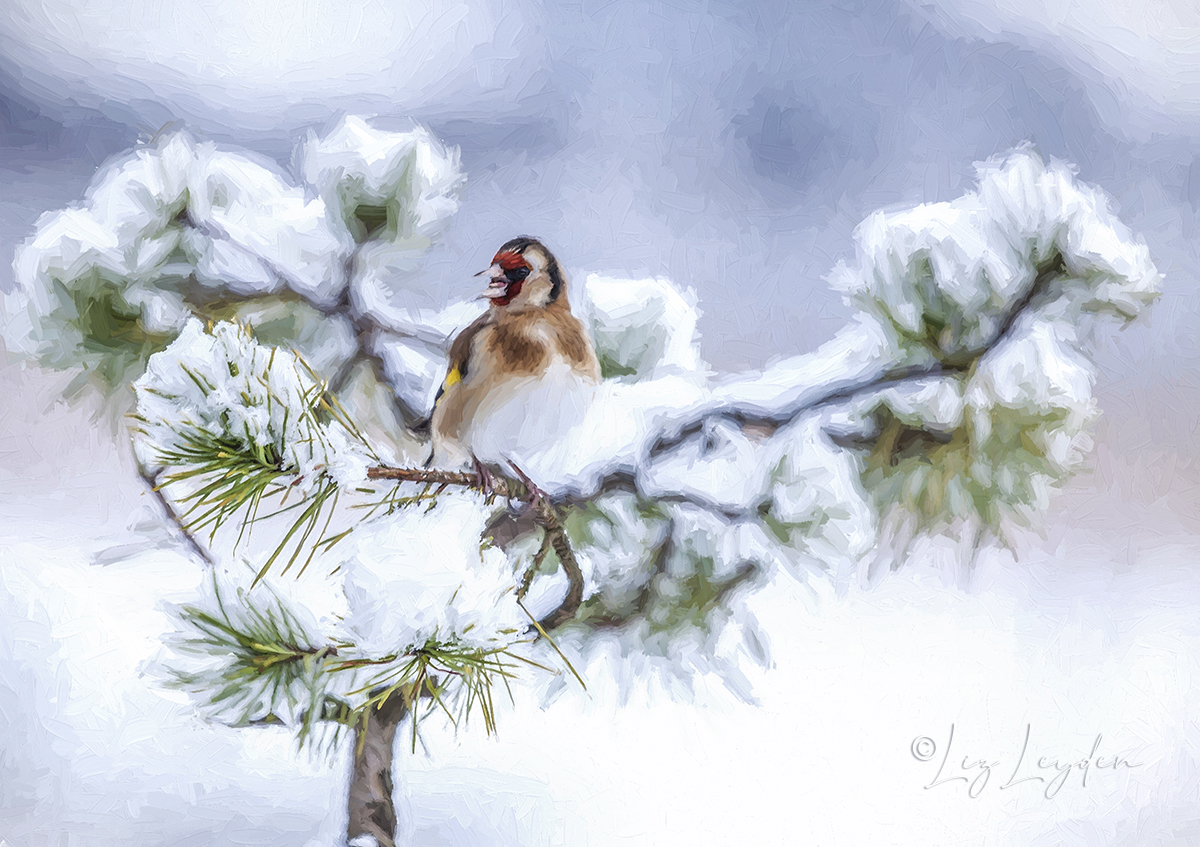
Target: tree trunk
<point>372,812</point>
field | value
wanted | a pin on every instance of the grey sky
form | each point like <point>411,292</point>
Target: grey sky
<point>729,146</point>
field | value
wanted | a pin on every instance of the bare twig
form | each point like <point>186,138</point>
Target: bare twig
<point>548,519</point>
<point>538,558</point>
<point>502,487</point>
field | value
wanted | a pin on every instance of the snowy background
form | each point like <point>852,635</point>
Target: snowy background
<point>731,148</point>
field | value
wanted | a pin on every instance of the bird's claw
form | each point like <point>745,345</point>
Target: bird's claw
<point>484,479</point>
<point>539,501</point>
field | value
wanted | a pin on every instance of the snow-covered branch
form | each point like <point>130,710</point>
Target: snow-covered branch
<point>181,228</point>
<point>958,392</point>
<point>952,298</point>
<point>543,513</point>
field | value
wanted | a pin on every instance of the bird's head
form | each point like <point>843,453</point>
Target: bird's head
<point>524,275</point>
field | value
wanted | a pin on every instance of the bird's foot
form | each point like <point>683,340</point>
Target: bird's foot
<point>484,479</point>
<point>538,500</point>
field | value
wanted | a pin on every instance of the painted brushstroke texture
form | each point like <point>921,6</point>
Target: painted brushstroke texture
<point>732,149</point>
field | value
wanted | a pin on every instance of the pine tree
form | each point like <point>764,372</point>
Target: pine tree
<point>355,593</point>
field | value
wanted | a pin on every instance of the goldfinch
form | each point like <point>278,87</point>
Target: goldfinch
<point>518,372</point>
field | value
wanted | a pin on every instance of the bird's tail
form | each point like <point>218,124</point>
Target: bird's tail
<point>422,428</point>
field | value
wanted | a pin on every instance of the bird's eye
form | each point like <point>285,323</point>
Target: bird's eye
<point>516,274</point>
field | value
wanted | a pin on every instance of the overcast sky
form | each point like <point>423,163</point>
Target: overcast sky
<point>730,146</point>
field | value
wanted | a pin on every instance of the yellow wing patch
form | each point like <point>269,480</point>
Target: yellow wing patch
<point>454,377</point>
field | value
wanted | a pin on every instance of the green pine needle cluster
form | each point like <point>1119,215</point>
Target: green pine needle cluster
<point>263,667</point>
<point>218,476</point>
<point>266,662</point>
<point>458,681</point>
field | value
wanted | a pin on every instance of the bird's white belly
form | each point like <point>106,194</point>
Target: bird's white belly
<point>531,422</point>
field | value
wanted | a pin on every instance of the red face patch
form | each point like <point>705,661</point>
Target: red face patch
<point>508,260</point>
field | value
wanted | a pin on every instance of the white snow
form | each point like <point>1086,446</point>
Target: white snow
<point>933,403</point>
<point>857,353</point>
<point>177,213</point>
<point>947,273</point>
<point>269,233</point>
<point>410,175</point>
<point>414,369</point>
<point>1040,378</point>
<point>644,327</point>
<point>355,164</point>
<point>171,209</point>
<point>224,385</point>
<point>421,575</point>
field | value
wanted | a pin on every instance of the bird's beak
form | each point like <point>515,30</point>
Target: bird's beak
<point>498,287</point>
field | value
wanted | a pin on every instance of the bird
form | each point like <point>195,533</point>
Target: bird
<point>517,374</point>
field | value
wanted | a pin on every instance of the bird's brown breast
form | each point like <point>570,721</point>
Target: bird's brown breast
<point>525,342</point>
<point>517,348</point>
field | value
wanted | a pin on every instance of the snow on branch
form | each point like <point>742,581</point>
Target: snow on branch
<point>950,298</point>
<point>233,422</point>
<point>180,228</point>
<point>333,648</point>
<point>392,194</point>
<point>970,295</point>
<point>959,392</point>
<point>941,284</point>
